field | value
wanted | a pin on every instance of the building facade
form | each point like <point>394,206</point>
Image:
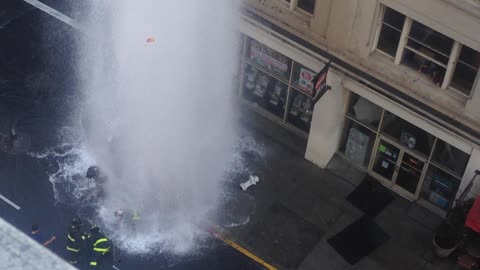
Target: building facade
<point>405,99</point>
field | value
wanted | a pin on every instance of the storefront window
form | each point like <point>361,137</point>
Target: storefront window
<point>439,187</point>
<point>301,78</point>
<point>264,90</point>
<point>364,111</point>
<point>268,58</point>
<point>407,134</point>
<point>452,158</point>
<point>300,110</point>
<point>269,77</point>
<point>357,142</point>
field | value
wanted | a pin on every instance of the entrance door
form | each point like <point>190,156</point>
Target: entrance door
<point>409,173</point>
<point>398,168</point>
<point>386,160</point>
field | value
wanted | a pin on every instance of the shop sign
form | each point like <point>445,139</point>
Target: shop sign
<point>267,61</point>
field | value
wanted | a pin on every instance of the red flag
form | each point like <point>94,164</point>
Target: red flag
<point>320,84</point>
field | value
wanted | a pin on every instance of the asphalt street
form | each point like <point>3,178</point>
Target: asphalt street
<point>37,90</point>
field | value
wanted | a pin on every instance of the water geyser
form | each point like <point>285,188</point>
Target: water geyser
<point>157,110</point>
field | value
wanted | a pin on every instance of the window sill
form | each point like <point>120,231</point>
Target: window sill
<point>303,13</point>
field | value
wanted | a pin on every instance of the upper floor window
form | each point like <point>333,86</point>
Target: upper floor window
<point>305,5</point>
<point>440,59</point>
<point>391,31</point>
<point>466,70</point>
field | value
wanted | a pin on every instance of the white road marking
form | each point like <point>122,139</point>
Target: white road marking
<point>55,13</point>
<point>9,202</point>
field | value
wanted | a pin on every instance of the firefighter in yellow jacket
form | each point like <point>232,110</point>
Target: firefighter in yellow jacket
<point>75,241</point>
<point>98,244</point>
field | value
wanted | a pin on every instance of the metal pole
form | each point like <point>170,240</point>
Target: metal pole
<point>467,189</point>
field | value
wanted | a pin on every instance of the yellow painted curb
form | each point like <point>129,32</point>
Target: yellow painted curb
<point>245,252</point>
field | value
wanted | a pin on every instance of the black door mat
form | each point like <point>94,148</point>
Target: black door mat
<point>358,239</point>
<point>370,196</point>
<point>283,236</point>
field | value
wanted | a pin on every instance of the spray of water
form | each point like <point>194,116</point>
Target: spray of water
<point>158,115</point>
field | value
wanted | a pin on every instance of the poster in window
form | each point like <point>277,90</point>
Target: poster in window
<point>304,79</point>
<point>268,58</point>
<point>357,146</point>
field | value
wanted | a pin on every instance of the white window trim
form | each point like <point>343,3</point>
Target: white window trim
<point>402,43</point>
<point>378,28</point>
<point>452,63</point>
<point>293,4</point>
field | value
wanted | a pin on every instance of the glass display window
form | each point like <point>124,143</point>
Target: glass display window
<point>269,59</point>
<point>264,90</point>
<point>300,110</point>
<point>357,143</point>
<point>364,111</point>
<point>453,159</point>
<point>301,78</point>
<point>402,156</point>
<point>439,187</point>
<point>407,134</point>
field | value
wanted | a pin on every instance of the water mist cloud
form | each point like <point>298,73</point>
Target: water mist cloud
<point>158,115</point>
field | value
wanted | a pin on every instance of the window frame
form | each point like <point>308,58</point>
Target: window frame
<point>293,6</point>
<point>450,66</point>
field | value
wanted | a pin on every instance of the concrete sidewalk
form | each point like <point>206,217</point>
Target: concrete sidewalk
<point>315,197</point>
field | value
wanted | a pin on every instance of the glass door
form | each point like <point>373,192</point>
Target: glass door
<point>398,168</point>
<point>386,159</point>
<point>409,174</point>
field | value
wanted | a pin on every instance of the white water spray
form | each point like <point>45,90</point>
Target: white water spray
<point>159,115</point>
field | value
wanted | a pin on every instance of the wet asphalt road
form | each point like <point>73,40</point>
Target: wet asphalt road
<point>25,182</point>
<point>40,109</point>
